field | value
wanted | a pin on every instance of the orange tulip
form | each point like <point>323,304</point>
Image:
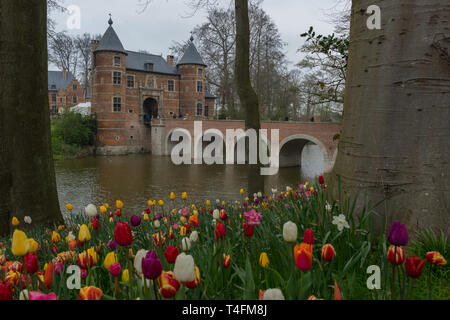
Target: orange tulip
<point>337,292</point>
<point>90,293</point>
<point>435,258</point>
<point>303,256</point>
<point>48,275</point>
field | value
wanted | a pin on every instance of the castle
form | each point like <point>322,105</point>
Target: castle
<point>133,92</point>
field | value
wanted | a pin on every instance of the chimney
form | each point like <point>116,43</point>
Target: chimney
<point>171,60</point>
<point>64,72</point>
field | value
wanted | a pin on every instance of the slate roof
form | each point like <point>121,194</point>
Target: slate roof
<point>137,61</point>
<point>191,56</point>
<point>110,41</point>
<point>56,78</point>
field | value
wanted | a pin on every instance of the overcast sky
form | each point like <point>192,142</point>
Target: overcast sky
<point>166,21</point>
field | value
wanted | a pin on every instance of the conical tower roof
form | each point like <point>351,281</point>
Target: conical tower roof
<point>191,55</point>
<point>110,41</point>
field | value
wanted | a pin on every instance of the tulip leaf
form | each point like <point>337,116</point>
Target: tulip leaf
<point>249,291</point>
<point>291,287</point>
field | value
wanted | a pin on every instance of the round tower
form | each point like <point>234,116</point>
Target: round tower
<point>192,83</point>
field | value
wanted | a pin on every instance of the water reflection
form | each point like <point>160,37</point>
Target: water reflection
<point>134,179</point>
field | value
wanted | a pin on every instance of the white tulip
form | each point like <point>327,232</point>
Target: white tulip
<point>24,295</point>
<point>27,220</point>
<point>194,236</point>
<point>273,294</point>
<point>184,269</point>
<point>186,244</point>
<point>138,260</point>
<point>91,210</point>
<point>290,232</point>
<point>216,214</point>
<point>260,194</point>
<point>156,224</point>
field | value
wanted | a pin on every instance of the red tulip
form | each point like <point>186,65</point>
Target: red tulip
<point>83,262</point>
<point>118,213</point>
<point>95,224</point>
<point>171,254</point>
<point>6,291</point>
<point>197,280</point>
<point>248,230</point>
<point>435,258</point>
<point>226,260</point>
<point>399,255</point>
<point>321,180</point>
<point>303,256</point>
<point>122,234</point>
<point>223,215</point>
<point>220,231</point>
<point>414,266</point>
<point>168,285</point>
<point>328,253</point>
<point>308,236</point>
<point>337,292</point>
<point>31,262</point>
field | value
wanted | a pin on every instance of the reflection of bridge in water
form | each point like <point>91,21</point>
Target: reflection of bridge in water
<point>293,136</point>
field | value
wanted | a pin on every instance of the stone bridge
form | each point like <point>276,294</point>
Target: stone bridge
<point>293,137</point>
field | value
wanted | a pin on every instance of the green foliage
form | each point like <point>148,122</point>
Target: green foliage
<point>427,240</point>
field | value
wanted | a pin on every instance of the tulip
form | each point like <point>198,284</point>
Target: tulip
<point>151,265</point>
<point>328,253</point>
<point>184,196</point>
<point>20,244</point>
<point>103,209</point>
<point>95,224</point>
<point>248,230</point>
<point>69,207</point>
<point>90,293</point>
<point>226,260</point>
<point>6,291</point>
<point>135,221</point>
<point>110,259</point>
<point>321,180</point>
<point>271,294</point>
<point>48,276</point>
<point>194,236</point>
<point>435,258</point>
<point>15,222</point>
<point>337,291</point>
<point>33,246</point>
<point>308,236</point>
<point>303,256</point>
<point>34,295</point>
<point>414,266</point>
<point>90,210</point>
<point>399,255</point>
<point>290,232</point>
<point>184,269</point>
<point>313,297</point>
<point>56,237</point>
<point>264,260</point>
<point>161,203</point>
<point>220,231</point>
<point>83,260</point>
<point>398,235</point>
<point>171,254</point>
<point>216,214</point>
<point>168,285</point>
<point>156,224</point>
<point>172,196</point>
<point>194,284</point>
<point>126,276</point>
<point>138,261</point>
<point>253,218</point>
<point>84,235</point>
<point>115,269</point>
<point>186,244</point>
<point>223,215</point>
<point>122,234</point>
<point>31,263</point>
<point>119,204</point>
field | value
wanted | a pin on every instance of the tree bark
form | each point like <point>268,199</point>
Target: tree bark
<point>396,130</point>
<point>28,185</point>
<point>247,95</point>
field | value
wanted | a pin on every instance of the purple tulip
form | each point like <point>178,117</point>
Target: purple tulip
<point>398,235</point>
<point>151,265</point>
<point>112,245</point>
<point>135,221</point>
<point>158,216</point>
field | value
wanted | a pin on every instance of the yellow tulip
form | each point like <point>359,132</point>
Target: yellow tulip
<point>184,196</point>
<point>69,207</point>
<point>84,234</point>
<point>111,220</point>
<point>106,206</point>
<point>183,231</point>
<point>33,245</point>
<point>312,189</point>
<point>223,203</point>
<point>119,204</point>
<point>56,237</point>
<point>20,244</point>
<point>15,222</point>
<point>146,217</point>
<point>182,220</point>
<point>130,253</point>
<point>172,196</point>
<point>306,183</point>
<point>208,203</point>
<point>195,213</point>
<point>242,191</point>
<point>126,276</point>
<point>103,209</point>
<point>161,203</point>
<point>264,260</point>
<point>93,254</point>
<point>110,259</point>
<point>150,203</point>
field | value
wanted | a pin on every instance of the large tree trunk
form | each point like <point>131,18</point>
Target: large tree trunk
<point>247,95</point>
<point>396,129</point>
<point>27,177</point>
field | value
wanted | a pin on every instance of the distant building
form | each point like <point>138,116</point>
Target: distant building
<point>130,90</point>
<point>64,91</point>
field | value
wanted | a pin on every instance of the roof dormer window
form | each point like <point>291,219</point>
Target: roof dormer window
<point>148,66</point>
<point>117,61</point>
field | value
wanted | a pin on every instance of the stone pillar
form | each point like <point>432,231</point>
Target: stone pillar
<point>159,139</point>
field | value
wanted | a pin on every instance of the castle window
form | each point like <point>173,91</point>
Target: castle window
<point>130,81</point>
<point>117,61</point>
<point>171,85</point>
<point>206,111</point>
<point>200,72</point>
<point>199,86</point>
<point>74,98</point>
<point>117,104</point>
<point>61,100</point>
<point>199,109</point>
<point>148,66</point>
<point>54,97</point>
<point>53,86</point>
<point>117,78</point>
<point>74,87</point>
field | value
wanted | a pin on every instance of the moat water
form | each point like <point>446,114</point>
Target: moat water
<point>134,179</point>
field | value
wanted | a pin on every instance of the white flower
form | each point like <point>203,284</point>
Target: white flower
<point>194,236</point>
<point>91,210</point>
<point>70,237</point>
<point>273,294</point>
<point>138,260</point>
<point>260,194</point>
<point>186,244</point>
<point>328,207</point>
<point>290,232</point>
<point>184,269</point>
<point>214,222</point>
<point>288,189</point>
<point>216,214</point>
<point>340,222</point>
<point>274,191</point>
<point>24,295</point>
<point>217,201</point>
<point>27,220</point>
<point>156,224</point>
<point>255,195</point>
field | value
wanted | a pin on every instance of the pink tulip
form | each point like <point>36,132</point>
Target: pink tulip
<point>34,295</point>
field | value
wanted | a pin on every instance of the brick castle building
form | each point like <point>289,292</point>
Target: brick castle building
<point>133,92</point>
